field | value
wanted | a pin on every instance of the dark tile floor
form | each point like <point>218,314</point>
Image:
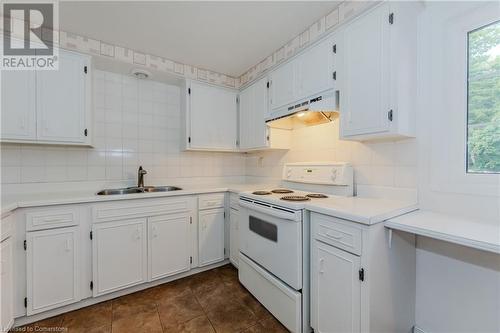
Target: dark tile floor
<point>212,301</point>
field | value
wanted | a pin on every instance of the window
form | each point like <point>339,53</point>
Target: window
<point>483,100</point>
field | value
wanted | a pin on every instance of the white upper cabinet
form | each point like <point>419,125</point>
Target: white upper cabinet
<point>211,118</point>
<point>18,109</point>
<point>254,109</point>
<point>253,112</point>
<point>282,84</point>
<point>48,106</point>
<point>315,69</point>
<point>377,75</point>
<point>62,100</point>
<point>306,75</point>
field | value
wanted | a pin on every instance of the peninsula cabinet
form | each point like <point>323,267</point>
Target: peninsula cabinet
<point>360,276</point>
<point>377,73</point>
<point>48,106</point>
<point>209,118</point>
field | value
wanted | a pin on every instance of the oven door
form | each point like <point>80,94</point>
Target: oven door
<point>272,238</point>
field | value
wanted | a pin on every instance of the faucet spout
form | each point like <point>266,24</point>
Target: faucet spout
<point>140,176</point>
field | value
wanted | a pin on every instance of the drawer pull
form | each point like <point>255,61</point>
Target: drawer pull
<point>68,245</point>
<point>56,220</point>
<point>336,235</point>
<point>321,266</point>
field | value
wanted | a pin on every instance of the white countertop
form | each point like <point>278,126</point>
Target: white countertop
<point>476,234</point>
<point>357,209</point>
<point>362,210</point>
<point>12,202</point>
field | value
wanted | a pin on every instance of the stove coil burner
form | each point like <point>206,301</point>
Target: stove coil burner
<point>316,196</point>
<point>282,191</point>
<point>261,192</point>
<point>295,198</point>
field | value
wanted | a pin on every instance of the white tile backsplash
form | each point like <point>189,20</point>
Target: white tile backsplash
<point>383,165</point>
<point>136,122</point>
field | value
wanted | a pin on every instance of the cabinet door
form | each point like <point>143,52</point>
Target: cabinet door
<point>234,237</point>
<point>254,109</point>
<point>62,100</point>
<point>119,255</point>
<point>52,269</point>
<point>282,87</point>
<point>211,236</point>
<point>6,278</point>
<point>18,105</point>
<point>335,294</point>
<point>365,74</point>
<point>169,245</point>
<point>315,69</point>
<point>246,117</point>
<point>212,117</point>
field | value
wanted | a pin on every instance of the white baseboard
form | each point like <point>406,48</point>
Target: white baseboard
<point>417,329</point>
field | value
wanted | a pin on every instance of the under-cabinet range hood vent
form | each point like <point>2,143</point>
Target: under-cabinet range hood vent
<point>313,111</point>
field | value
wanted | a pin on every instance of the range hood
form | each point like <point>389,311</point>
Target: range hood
<point>317,110</point>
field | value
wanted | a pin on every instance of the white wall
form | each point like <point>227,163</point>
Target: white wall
<point>458,288</point>
<point>136,122</point>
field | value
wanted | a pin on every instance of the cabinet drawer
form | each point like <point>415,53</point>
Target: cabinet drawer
<point>141,208</point>
<point>51,218</point>
<point>208,201</point>
<point>337,232</point>
<point>7,226</point>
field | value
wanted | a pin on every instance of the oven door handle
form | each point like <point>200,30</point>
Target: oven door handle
<point>270,211</point>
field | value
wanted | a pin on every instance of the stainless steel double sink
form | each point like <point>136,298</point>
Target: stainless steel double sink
<point>134,190</point>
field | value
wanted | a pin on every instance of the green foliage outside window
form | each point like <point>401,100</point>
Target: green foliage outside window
<point>483,128</point>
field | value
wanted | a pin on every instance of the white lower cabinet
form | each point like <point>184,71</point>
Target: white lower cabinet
<point>7,286</point>
<point>234,241</point>
<point>119,255</point>
<point>335,289</point>
<point>211,236</point>
<point>169,245</point>
<point>360,276</point>
<point>52,269</point>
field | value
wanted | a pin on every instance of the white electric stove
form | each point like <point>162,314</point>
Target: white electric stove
<point>274,237</point>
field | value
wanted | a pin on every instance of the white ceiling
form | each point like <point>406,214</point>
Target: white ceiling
<point>226,37</point>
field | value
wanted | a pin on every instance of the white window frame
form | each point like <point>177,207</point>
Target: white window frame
<point>449,124</point>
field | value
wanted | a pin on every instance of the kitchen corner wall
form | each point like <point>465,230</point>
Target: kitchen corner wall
<point>136,122</point>
<point>385,168</point>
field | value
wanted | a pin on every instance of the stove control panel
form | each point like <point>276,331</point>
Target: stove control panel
<point>326,173</point>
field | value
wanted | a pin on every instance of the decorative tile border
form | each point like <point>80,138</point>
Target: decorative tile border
<point>346,10</point>
<point>99,48</point>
